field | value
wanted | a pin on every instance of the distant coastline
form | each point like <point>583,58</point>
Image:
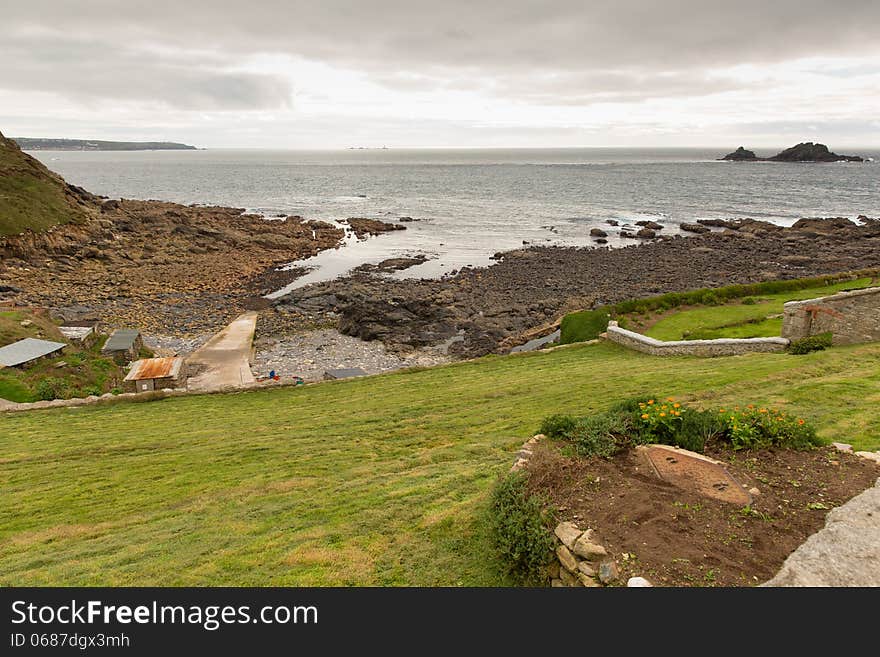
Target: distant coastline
<point>36,144</point>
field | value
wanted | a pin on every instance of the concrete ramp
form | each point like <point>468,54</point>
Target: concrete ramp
<point>224,360</point>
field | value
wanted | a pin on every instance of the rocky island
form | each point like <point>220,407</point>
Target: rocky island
<point>803,152</point>
<point>741,155</point>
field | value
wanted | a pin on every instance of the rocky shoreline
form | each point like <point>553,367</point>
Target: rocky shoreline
<point>483,310</point>
<point>165,268</point>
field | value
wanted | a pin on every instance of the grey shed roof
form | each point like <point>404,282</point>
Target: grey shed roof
<point>344,373</point>
<point>27,350</point>
<point>121,340</point>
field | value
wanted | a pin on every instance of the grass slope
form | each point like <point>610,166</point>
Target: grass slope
<point>375,481</point>
<point>31,196</point>
<point>740,320</point>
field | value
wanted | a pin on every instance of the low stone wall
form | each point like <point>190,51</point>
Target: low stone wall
<point>850,317</point>
<point>720,347</point>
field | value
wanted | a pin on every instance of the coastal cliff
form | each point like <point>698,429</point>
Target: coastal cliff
<point>32,198</point>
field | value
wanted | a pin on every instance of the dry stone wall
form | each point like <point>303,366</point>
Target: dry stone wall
<point>720,347</point>
<point>851,317</point>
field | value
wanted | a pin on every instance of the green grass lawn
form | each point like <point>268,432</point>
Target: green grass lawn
<point>374,481</point>
<point>738,320</point>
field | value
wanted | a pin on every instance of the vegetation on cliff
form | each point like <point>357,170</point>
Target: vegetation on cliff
<point>32,197</point>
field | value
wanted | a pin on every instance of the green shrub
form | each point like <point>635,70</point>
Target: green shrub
<point>557,426</point>
<point>756,428</point>
<point>598,435</point>
<point>519,527</point>
<point>51,388</point>
<point>749,301</point>
<point>697,428</point>
<point>583,326</point>
<point>813,343</point>
<point>665,421</point>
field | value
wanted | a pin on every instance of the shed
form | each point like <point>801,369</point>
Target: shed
<point>155,374</point>
<point>123,345</point>
<point>343,373</point>
<point>28,350</point>
<point>85,335</point>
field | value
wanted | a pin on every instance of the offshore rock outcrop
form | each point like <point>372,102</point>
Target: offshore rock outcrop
<point>803,152</point>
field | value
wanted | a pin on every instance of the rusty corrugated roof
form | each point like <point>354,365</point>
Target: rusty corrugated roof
<point>154,368</point>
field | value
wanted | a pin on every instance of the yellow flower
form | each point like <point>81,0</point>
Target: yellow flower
<point>676,405</point>
<point>762,410</point>
<point>642,406</point>
<point>645,416</point>
<point>650,401</point>
<point>662,414</point>
<point>676,413</point>
<point>750,406</point>
<point>721,411</point>
<point>670,399</point>
<point>800,422</point>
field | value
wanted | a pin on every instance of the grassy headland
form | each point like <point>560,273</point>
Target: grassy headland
<point>31,196</point>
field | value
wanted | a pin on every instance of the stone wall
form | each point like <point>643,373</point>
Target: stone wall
<point>720,347</point>
<point>851,317</point>
<point>580,560</point>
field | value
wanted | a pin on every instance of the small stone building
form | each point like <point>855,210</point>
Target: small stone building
<point>27,351</point>
<point>155,374</point>
<point>123,345</point>
<point>851,317</point>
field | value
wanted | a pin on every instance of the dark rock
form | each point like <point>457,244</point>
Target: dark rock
<point>612,222</point>
<point>407,220</point>
<point>646,234</point>
<point>717,223</point>
<point>694,228</point>
<point>653,225</point>
<point>810,152</point>
<point>741,155</point>
<point>626,233</point>
<point>598,232</point>
<point>601,240</point>
<point>823,226</point>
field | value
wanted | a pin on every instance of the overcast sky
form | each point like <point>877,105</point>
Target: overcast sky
<point>444,73</point>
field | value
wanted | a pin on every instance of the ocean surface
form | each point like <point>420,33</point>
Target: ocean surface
<point>473,203</point>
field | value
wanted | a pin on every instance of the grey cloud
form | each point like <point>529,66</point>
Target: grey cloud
<point>86,70</point>
<point>491,35</point>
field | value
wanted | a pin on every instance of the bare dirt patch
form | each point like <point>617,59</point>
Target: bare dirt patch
<point>676,537</point>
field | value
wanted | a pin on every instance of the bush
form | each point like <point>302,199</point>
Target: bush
<point>557,426</point>
<point>51,388</point>
<point>817,342</point>
<point>519,526</point>
<point>756,428</point>
<point>597,435</point>
<point>668,422</point>
<point>697,428</point>
<point>583,326</point>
